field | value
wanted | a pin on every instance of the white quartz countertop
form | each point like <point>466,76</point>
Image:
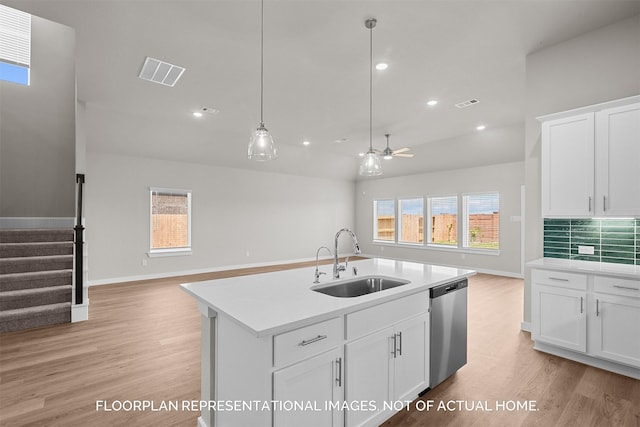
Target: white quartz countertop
<point>271,303</point>
<point>589,267</point>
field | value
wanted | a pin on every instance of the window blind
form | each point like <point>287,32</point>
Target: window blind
<point>15,36</point>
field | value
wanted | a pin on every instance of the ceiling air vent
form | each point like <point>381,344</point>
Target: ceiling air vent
<point>467,103</point>
<point>157,71</point>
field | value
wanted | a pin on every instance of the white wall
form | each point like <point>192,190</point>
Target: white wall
<point>505,178</point>
<point>274,217</point>
<point>598,66</point>
<point>37,129</point>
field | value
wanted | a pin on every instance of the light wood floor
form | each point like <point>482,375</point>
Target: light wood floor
<point>142,343</point>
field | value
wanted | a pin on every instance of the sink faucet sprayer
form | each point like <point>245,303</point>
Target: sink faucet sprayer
<point>356,249</point>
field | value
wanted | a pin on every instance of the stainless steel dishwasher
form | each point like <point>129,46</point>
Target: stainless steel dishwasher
<point>448,330</point>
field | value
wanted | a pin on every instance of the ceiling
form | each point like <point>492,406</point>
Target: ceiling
<point>316,77</point>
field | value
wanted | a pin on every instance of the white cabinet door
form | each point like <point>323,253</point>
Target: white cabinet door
<point>411,370</point>
<point>559,317</point>
<point>568,166</point>
<point>615,332</point>
<point>318,382</point>
<point>618,161</point>
<point>368,375</point>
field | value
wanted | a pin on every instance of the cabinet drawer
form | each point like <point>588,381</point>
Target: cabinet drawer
<point>615,286</point>
<point>560,278</point>
<point>381,316</point>
<point>308,341</point>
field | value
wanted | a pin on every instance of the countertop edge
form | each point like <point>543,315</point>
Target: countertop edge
<point>587,267</point>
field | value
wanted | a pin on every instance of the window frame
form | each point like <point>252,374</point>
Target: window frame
<point>465,222</point>
<point>428,216</point>
<point>375,221</point>
<point>183,250</point>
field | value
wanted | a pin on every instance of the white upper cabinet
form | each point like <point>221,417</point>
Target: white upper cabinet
<point>618,161</point>
<point>590,161</point>
<point>567,166</point>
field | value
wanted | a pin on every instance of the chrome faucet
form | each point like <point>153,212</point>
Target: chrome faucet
<point>337,268</point>
<point>318,272</point>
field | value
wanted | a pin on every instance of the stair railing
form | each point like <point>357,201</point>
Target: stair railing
<point>79,241</point>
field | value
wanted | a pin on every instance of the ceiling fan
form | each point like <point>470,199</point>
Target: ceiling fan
<point>388,153</point>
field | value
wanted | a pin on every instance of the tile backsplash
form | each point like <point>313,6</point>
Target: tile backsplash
<point>613,240</point>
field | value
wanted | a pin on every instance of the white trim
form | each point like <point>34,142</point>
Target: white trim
<point>589,108</point>
<point>436,247</point>
<point>80,312</point>
<point>36,222</point>
<point>525,326</point>
<point>156,253</point>
<point>618,368</point>
<point>114,280</point>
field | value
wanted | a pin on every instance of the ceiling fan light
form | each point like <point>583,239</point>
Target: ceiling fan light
<point>261,145</point>
<point>371,165</point>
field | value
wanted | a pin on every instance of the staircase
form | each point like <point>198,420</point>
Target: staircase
<point>36,267</point>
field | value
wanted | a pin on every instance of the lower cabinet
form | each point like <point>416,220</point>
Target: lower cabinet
<point>317,384</point>
<point>596,317</point>
<point>386,367</point>
<point>616,329</point>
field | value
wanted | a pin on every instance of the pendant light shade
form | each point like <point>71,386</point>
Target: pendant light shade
<point>261,145</point>
<point>371,164</point>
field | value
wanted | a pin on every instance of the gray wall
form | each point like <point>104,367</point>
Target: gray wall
<point>505,178</point>
<point>274,217</point>
<point>37,129</point>
<point>598,66</point>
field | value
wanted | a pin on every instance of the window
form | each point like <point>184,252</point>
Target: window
<point>170,221</point>
<point>15,45</point>
<point>410,226</point>
<point>384,223</point>
<point>443,215</point>
<point>482,221</point>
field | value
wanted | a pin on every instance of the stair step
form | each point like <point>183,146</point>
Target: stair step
<point>11,300</point>
<point>26,235</point>
<point>33,317</point>
<point>39,263</point>
<point>35,279</point>
<point>14,250</point>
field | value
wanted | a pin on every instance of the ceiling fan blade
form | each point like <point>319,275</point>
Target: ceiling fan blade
<point>403,154</point>
<point>401,150</point>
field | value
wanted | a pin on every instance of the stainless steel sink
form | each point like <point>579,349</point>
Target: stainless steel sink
<point>359,286</point>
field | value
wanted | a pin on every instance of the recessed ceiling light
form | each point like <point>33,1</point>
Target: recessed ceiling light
<point>306,142</point>
<point>381,66</point>
<point>481,127</point>
<point>197,114</point>
<point>432,102</point>
<point>361,154</point>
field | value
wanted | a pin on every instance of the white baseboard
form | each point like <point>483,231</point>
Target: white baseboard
<point>525,326</point>
<point>37,222</point>
<point>80,312</point>
<point>113,280</point>
<point>588,360</point>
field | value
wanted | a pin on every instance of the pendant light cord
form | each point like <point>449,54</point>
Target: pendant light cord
<point>261,61</point>
<point>370,88</point>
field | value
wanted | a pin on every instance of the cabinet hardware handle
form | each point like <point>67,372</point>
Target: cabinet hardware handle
<point>597,307</point>
<point>558,278</point>
<point>604,203</point>
<point>400,345</point>
<point>312,340</point>
<point>395,345</point>
<point>339,365</point>
<point>580,305</point>
<point>589,203</point>
<point>626,287</point>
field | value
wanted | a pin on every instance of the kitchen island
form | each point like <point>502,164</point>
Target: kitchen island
<point>276,352</point>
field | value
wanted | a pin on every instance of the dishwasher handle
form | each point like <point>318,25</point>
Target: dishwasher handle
<point>447,288</point>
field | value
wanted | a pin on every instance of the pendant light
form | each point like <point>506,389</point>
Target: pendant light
<point>261,145</point>
<point>371,165</point>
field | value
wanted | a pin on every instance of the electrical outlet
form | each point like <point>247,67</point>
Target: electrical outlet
<point>585,250</point>
<point>248,254</point>
<point>144,262</point>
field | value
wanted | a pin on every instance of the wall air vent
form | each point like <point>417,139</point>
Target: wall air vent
<point>468,103</point>
<point>157,71</point>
